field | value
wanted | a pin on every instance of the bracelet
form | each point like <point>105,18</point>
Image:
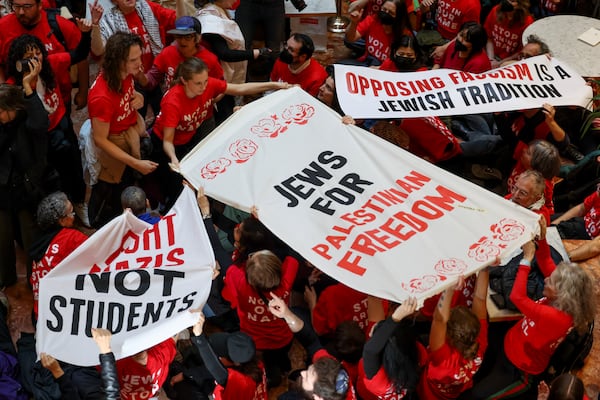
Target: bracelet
<point>525,262</point>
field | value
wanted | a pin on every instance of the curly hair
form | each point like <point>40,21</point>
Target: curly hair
<point>572,283</point>
<point>16,52</point>
<point>462,331</point>
<point>51,210</point>
<point>327,371</point>
<point>116,55</point>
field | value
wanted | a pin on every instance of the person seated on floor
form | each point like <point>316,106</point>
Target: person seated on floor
<point>379,31</point>
<point>231,360</point>
<point>296,65</point>
<point>581,221</point>
<point>134,198</point>
<point>325,378</point>
<point>530,343</point>
<point>392,357</point>
<point>504,26</point>
<point>457,343</point>
<point>58,239</point>
<point>528,192</point>
<point>534,47</point>
<point>405,56</point>
<point>539,155</point>
<point>467,52</point>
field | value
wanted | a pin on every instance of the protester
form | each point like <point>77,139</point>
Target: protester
<point>564,387</point>
<point>528,192</point>
<point>296,65</point>
<point>467,52</point>
<point>379,31</point>
<point>405,56</point>
<point>530,343</point>
<point>116,125</point>
<point>581,221</point>
<point>23,127</point>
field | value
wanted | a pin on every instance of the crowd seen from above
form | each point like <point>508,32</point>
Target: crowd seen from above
<point>168,78</point>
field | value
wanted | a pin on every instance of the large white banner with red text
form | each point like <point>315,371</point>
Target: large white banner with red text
<point>366,212</point>
<point>140,281</point>
<point>369,93</point>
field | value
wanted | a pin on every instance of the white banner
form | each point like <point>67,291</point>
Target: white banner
<point>371,93</point>
<point>368,213</point>
<point>135,279</point>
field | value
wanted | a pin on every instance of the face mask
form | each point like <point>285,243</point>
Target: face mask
<point>234,5</point>
<point>506,6</point>
<point>286,57</point>
<point>404,63</point>
<point>385,18</point>
<point>459,46</point>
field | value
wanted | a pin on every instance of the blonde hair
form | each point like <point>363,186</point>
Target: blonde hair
<point>263,271</point>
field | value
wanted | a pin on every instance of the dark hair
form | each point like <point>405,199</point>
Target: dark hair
<point>545,158</point>
<point>254,236</point>
<point>462,331</point>
<point>16,52</point>
<point>401,20</point>
<point>566,387</point>
<point>308,46</point>
<point>544,49</point>
<point>335,104</point>
<point>411,42</point>
<point>349,340</point>
<point>135,198</point>
<point>11,98</point>
<point>188,68</point>
<point>400,358</point>
<point>327,370</point>
<point>520,13</point>
<point>51,210</point>
<point>115,57</point>
<point>263,271</point>
<point>476,35</point>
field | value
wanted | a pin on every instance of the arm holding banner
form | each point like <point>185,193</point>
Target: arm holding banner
<point>108,364</point>
<point>441,315</point>
<point>243,89</point>
<point>212,363</point>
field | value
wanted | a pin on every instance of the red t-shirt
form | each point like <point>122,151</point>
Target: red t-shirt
<point>310,79</point>
<point>139,381</point>
<point>380,387</point>
<point>476,63</point>
<point>451,14</point>
<point>447,373</point>
<point>63,244</point>
<point>112,107</point>
<point>242,387</point>
<point>267,331</point>
<point>462,297</point>
<point>530,343</point>
<point>184,114</point>
<point>336,304</point>
<point>169,59</point>
<point>430,138</point>
<point>506,38</point>
<point>592,214</point>
<point>377,42</point>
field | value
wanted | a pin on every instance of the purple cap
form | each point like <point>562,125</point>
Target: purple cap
<point>185,26</point>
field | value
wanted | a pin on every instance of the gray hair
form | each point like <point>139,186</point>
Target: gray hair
<point>51,209</point>
<point>135,198</point>
<point>535,39</point>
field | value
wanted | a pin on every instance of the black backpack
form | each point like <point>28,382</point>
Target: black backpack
<point>571,353</point>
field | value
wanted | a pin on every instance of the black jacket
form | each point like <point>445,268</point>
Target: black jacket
<point>23,149</point>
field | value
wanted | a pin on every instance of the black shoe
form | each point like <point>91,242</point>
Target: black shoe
<point>573,153</point>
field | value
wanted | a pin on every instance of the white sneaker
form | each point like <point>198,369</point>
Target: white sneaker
<point>81,209</point>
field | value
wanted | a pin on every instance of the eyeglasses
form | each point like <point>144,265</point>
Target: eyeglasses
<point>24,7</point>
<point>515,190</point>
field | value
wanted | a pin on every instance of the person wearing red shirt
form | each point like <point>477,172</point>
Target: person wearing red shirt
<point>55,218</point>
<point>116,126</point>
<point>504,26</point>
<point>529,344</point>
<point>29,17</point>
<point>325,378</point>
<point>150,21</point>
<point>296,65</point>
<point>457,343</point>
<point>467,52</point>
<point>379,31</point>
<point>231,360</point>
<point>263,276</point>
<point>405,56</point>
<point>528,192</point>
<point>186,116</point>
<point>142,375</point>
<point>451,15</point>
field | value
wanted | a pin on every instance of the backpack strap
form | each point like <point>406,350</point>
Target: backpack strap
<point>51,13</point>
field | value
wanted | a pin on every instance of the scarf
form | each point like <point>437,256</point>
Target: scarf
<point>114,21</point>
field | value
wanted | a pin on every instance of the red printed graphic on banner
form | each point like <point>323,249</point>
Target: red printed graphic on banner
<point>242,149</point>
<point>298,114</point>
<point>215,167</point>
<point>450,266</point>
<point>485,249</point>
<point>420,285</point>
<point>268,127</point>
<point>507,229</point>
